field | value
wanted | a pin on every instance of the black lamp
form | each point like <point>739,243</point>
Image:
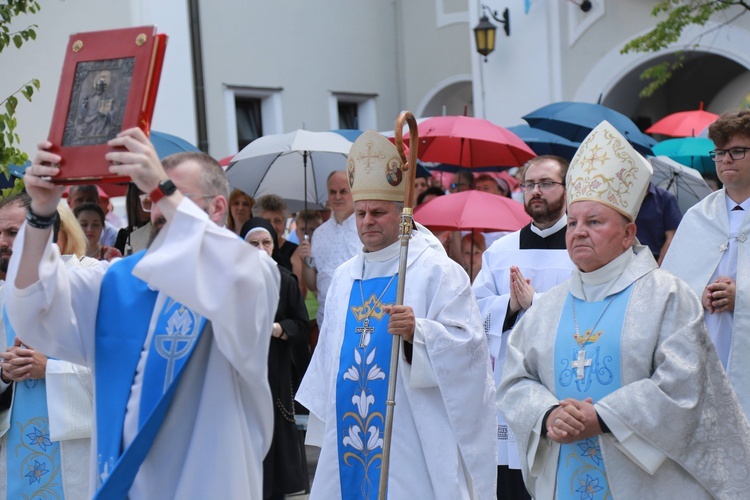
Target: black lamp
<point>484,32</point>
<point>585,5</point>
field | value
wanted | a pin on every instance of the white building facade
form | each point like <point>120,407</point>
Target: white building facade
<point>273,67</point>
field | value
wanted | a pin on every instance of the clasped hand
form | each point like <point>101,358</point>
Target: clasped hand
<point>572,421</point>
<point>21,362</point>
<point>521,291</point>
<point>719,295</point>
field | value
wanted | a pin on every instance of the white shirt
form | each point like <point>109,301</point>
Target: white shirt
<point>332,245</point>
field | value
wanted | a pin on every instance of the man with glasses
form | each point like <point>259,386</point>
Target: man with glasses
<point>515,269</point>
<point>176,336</point>
<point>711,251</point>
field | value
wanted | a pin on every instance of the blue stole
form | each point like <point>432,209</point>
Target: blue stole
<point>581,472</point>
<point>33,460</point>
<point>125,308</point>
<point>362,388</point>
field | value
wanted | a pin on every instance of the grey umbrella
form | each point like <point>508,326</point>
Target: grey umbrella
<point>684,182</point>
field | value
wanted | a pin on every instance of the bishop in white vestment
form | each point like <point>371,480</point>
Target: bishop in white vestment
<point>610,382</point>
<point>443,442</point>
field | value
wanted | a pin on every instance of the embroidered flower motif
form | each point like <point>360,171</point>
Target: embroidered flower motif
<point>589,449</point>
<point>374,441</point>
<point>588,489</point>
<point>352,374</point>
<point>37,438</point>
<point>36,472</point>
<point>363,402</point>
<point>354,439</point>
<point>375,373</point>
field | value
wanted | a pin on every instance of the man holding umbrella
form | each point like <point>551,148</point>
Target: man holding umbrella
<point>515,270</point>
<point>444,419</point>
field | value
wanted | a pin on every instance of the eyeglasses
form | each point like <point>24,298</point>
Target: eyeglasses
<point>543,185</point>
<point>147,204</point>
<point>717,155</point>
<point>266,242</point>
<point>456,185</point>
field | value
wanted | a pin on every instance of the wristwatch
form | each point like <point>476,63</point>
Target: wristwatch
<point>165,188</point>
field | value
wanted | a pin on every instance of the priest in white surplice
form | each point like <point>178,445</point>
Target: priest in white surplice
<point>176,336</point>
<point>711,251</point>
<point>443,443</point>
<point>611,383</point>
<point>515,270</point>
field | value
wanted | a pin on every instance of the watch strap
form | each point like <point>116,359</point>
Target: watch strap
<point>165,188</point>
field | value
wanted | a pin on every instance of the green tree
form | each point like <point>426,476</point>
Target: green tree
<point>9,140</point>
<point>680,14</point>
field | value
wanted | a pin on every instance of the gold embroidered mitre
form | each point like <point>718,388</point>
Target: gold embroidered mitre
<point>375,168</point>
<point>607,169</point>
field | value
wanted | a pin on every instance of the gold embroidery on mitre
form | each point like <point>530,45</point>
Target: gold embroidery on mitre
<point>377,155</point>
<point>604,169</point>
<point>372,308</point>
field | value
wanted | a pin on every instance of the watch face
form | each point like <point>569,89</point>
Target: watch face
<point>167,187</point>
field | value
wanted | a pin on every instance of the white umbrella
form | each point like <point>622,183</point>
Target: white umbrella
<point>294,166</point>
<point>684,182</point>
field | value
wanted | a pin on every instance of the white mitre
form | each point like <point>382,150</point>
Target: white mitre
<point>375,169</point>
<point>608,170</point>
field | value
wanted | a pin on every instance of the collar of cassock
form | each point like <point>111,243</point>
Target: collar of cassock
<point>550,230</point>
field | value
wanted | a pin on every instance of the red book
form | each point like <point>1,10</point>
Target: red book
<point>109,83</point>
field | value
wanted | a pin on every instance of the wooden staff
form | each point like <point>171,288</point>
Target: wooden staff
<point>410,171</point>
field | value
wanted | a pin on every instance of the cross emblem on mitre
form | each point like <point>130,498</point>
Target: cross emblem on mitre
<point>370,156</point>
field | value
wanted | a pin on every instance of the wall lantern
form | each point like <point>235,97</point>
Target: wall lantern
<point>484,32</point>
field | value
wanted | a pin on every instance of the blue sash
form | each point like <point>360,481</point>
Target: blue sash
<point>125,308</point>
<point>581,472</point>
<point>33,460</point>
<point>362,388</point>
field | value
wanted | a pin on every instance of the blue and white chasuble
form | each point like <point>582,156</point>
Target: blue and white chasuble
<point>591,370</point>
<point>126,305</point>
<point>362,387</point>
<point>33,460</point>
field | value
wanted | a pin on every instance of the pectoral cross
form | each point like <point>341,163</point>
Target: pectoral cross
<point>365,330</point>
<point>581,363</point>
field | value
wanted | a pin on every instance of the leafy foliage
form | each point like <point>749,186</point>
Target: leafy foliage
<point>680,14</point>
<point>9,140</point>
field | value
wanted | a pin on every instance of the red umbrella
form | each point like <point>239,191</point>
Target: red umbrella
<point>684,123</point>
<point>472,209</point>
<point>470,142</point>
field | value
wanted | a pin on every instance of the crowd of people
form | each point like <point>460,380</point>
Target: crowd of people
<point>596,352</point>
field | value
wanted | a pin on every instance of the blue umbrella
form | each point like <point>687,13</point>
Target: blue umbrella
<point>15,172</point>
<point>350,134</point>
<point>574,121</point>
<point>545,143</point>
<point>690,151</point>
<point>168,144</point>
